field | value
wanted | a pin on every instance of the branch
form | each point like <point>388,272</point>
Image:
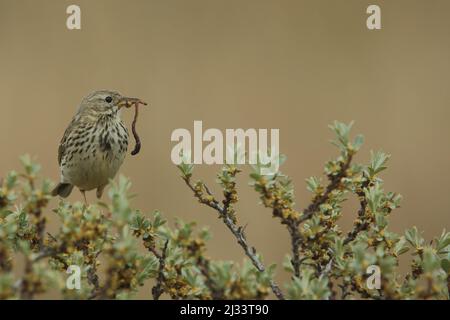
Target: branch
<point>92,275</point>
<point>158,289</point>
<point>237,231</point>
<point>203,264</point>
<point>361,223</point>
<point>335,182</point>
<point>26,293</point>
<point>448,286</point>
<point>27,285</point>
<point>295,247</point>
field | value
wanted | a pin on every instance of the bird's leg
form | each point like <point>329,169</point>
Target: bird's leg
<point>84,197</point>
<point>100,191</point>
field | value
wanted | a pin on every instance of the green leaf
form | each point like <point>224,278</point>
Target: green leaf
<point>158,221</point>
<point>342,132</point>
<point>358,142</point>
<point>413,237</point>
<point>374,197</point>
<point>11,179</point>
<point>308,287</point>
<point>287,264</point>
<point>401,246</point>
<point>445,264</point>
<point>430,261</point>
<point>443,243</point>
<point>313,184</point>
<point>377,163</point>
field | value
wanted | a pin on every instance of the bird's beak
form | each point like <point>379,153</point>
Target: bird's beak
<point>127,102</point>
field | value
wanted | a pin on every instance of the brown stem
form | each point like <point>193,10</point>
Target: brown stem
<point>27,293</point>
<point>93,277</point>
<point>238,233</point>
<point>335,182</point>
<point>216,293</point>
<point>27,290</point>
<point>295,245</point>
<point>448,286</point>
<point>361,224</point>
<point>158,289</point>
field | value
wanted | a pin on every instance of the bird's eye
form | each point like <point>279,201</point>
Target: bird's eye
<point>108,99</point>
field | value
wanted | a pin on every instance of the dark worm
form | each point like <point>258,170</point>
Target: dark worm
<point>137,146</point>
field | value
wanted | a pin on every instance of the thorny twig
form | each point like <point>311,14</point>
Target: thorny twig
<point>27,291</point>
<point>3,200</point>
<point>327,269</point>
<point>92,275</point>
<point>238,233</point>
<point>295,244</point>
<point>335,182</point>
<point>158,289</point>
<point>203,265</point>
<point>361,223</point>
<point>292,225</point>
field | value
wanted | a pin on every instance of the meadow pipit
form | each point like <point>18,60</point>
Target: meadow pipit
<point>94,144</point>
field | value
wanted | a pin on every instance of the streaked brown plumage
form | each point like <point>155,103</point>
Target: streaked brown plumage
<point>94,144</point>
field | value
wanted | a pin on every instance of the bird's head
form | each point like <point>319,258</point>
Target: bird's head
<point>107,102</point>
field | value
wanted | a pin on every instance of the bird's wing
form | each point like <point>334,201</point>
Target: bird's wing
<point>61,150</point>
<point>63,143</point>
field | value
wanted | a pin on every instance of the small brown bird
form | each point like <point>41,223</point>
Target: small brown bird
<point>94,144</point>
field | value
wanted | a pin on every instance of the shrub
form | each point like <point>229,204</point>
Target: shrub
<point>106,241</point>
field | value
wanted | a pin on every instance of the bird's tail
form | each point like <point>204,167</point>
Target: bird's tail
<point>62,190</point>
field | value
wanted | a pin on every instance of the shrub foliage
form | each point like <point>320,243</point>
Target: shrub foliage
<point>118,248</point>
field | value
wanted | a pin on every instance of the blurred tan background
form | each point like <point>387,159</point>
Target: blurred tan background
<point>293,65</point>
